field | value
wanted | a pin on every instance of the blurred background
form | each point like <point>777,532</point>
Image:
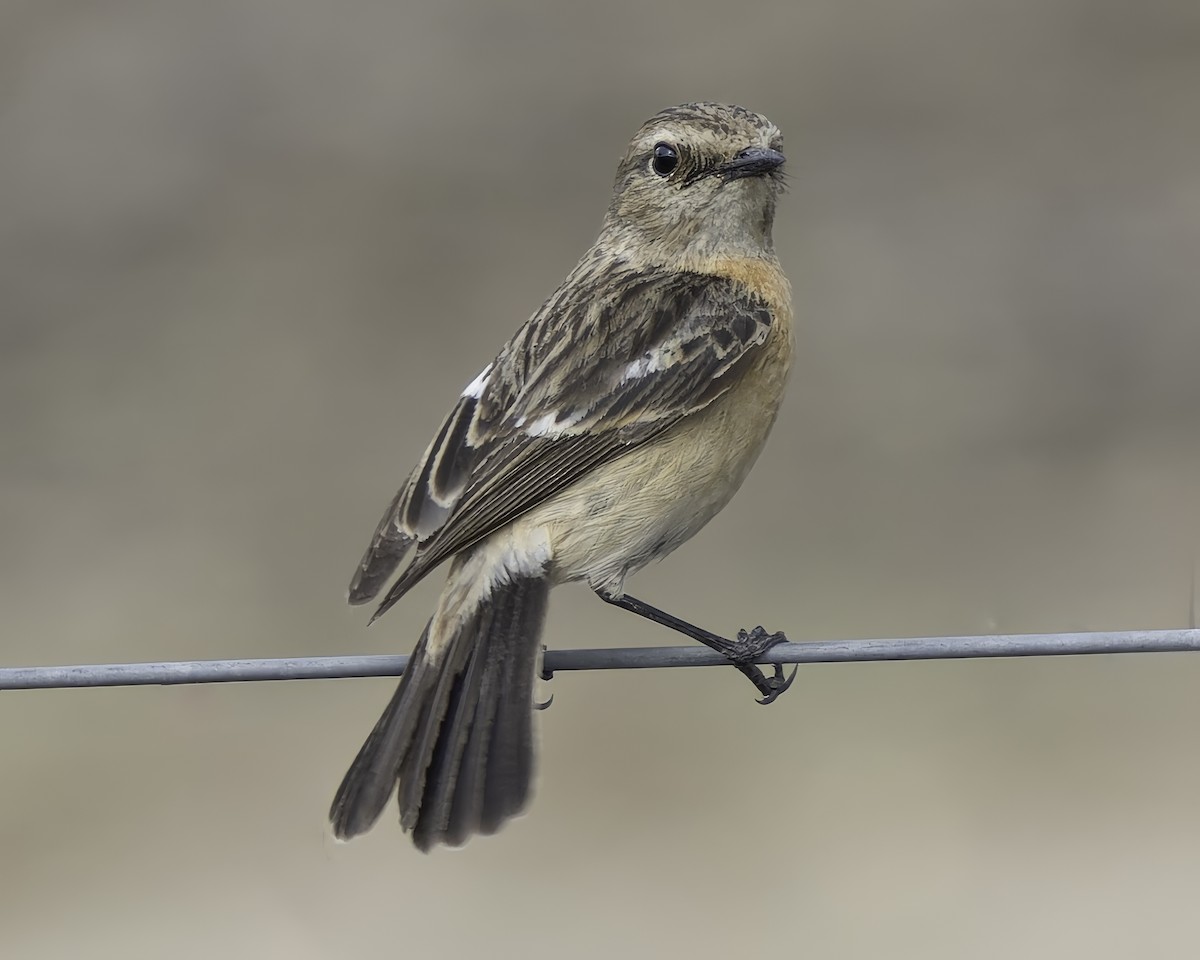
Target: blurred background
<point>251,251</point>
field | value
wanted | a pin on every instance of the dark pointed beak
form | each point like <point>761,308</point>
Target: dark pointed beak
<point>751,162</point>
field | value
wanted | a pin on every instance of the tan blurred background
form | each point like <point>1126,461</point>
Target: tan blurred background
<point>250,251</point>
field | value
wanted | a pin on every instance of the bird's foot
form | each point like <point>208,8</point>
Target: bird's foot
<point>747,649</point>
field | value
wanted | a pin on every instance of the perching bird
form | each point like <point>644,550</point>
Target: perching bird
<point>614,424</point>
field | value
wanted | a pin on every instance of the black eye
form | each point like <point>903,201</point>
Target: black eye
<point>665,160</point>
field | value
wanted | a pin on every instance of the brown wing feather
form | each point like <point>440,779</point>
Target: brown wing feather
<point>550,412</point>
<point>422,504</point>
<point>382,559</point>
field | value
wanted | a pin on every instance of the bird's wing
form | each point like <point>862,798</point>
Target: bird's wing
<point>579,385</point>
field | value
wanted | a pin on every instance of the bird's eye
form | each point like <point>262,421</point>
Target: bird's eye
<point>665,159</point>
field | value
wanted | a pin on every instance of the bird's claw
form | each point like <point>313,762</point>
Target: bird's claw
<point>750,646</point>
<point>776,684</point>
<point>753,644</point>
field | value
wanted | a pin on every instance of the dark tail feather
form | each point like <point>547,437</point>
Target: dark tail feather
<point>371,779</point>
<point>458,735</point>
<point>481,768</point>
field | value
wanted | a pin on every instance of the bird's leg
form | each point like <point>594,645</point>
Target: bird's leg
<point>742,653</point>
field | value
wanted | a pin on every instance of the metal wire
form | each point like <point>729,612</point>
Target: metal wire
<point>620,658</point>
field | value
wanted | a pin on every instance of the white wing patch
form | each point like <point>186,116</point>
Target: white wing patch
<point>651,362</point>
<point>475,387</point>
<point>549,424</point>
<point>544,426</point>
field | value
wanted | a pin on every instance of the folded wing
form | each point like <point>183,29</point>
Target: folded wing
<point>579,385</point>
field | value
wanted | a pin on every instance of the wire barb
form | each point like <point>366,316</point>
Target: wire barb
<point>619,658</point>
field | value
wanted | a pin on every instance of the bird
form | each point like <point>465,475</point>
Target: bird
<point>612,426</point>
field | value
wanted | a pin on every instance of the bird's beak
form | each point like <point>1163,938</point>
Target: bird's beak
<point>751,162</point>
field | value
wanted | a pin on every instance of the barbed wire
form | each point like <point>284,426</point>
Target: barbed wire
<point>616,658</point>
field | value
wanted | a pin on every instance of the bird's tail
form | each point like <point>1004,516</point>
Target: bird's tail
<point>458,732</point>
